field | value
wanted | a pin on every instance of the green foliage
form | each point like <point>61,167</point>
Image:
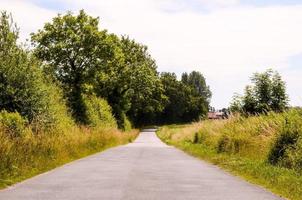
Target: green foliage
<point>147,98</point>
<point>236,105</point>
<point>37,132</point>
<point>119,70</point>
<point>188,100</point>
<point>24,88</point>
<point>244,146</point>
<point>197,81</point>
<point>98,112</point>
<point>12,124</point>
<point>131,85</point>
<point>274,137</point>
<point>249,102</point>
<point>287,149</point>
<point>279,100</point>
<point>200,96</point>
<point>74,49</point>
<point>127,126</point>
<point>85,65</point>
<point>231,144</point>
<point>268,93</point>
<point>178,98</point>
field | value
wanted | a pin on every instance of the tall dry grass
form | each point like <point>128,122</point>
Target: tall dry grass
<point>251,137</point>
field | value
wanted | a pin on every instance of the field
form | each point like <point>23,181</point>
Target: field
<point>264,150</point>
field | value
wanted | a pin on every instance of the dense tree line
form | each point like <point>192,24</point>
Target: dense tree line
<point>267,93</point>
<point>188,99</point>
<point>75,67</point>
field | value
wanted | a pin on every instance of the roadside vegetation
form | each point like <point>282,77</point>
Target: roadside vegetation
<point>34,153</point>
<point>266,149</point>
<point>261,141</point>
<point>76,90</point>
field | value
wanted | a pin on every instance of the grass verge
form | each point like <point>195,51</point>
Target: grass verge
<point>247,158</point>
<point>22,158</point>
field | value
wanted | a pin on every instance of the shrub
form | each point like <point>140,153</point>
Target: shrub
<point>12,123</point>
<point>98,112</point>
<point>200,136</point>
<point>287,148</point>
<point>127,126</point>
<point>231,144</point>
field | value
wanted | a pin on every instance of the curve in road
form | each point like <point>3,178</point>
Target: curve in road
<point>144,169</point>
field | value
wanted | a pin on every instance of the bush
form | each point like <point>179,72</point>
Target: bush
<point>287,148</point>
<point>231,144</point>
<point>12,124</point>
<point>200,137</point>
<point>127,126</point>
<point>24,88</point>
<point>98,112</point>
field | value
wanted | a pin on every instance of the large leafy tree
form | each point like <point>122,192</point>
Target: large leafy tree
<point>113,82</point>
<point>147,99</point>
<point>131,85</point>
<point>268,93</point>
<point>200,95</point>
<point>249,101</point>
<point>279,97</point>
<point>73,49</point>
<point>262,90</point>
<point>187,101</point>
<point>87,60</point>
<point>197,81</point>
<point>178,99</point>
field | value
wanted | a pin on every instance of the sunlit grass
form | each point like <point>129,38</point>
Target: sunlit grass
<point>32,154</point>
<point>241,146</point>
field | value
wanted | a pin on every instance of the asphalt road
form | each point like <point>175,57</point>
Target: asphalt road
<point>144,169</point>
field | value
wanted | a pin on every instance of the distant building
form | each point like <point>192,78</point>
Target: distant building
<point>216,115</point>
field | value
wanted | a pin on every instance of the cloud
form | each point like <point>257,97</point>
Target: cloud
<point>227,43</point>
<point>218,3</point>
<point>28,16</point>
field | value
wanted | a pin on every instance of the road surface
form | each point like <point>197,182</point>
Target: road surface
<point>144,169</point>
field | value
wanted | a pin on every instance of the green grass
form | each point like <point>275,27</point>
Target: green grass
<point>32,154</point>
<point>242,147</point>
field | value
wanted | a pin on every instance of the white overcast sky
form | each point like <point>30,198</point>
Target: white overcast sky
<point>226,40</point>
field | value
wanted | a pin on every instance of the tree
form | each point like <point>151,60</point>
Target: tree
<point>187,101</point>
<point>197,81</point>
<point>236,105</point>
<point>148,98</point>
<point>178,99</point>
<point>24,88</point>
<point>85,59</point>
<point>200,95</point>
<point>262,88</point>
<point>131,85</point>
<point>279,100</point>
<point>113,81</point>
<point>73,49</point>
<point>249,101</point>
<point>268,93</point>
